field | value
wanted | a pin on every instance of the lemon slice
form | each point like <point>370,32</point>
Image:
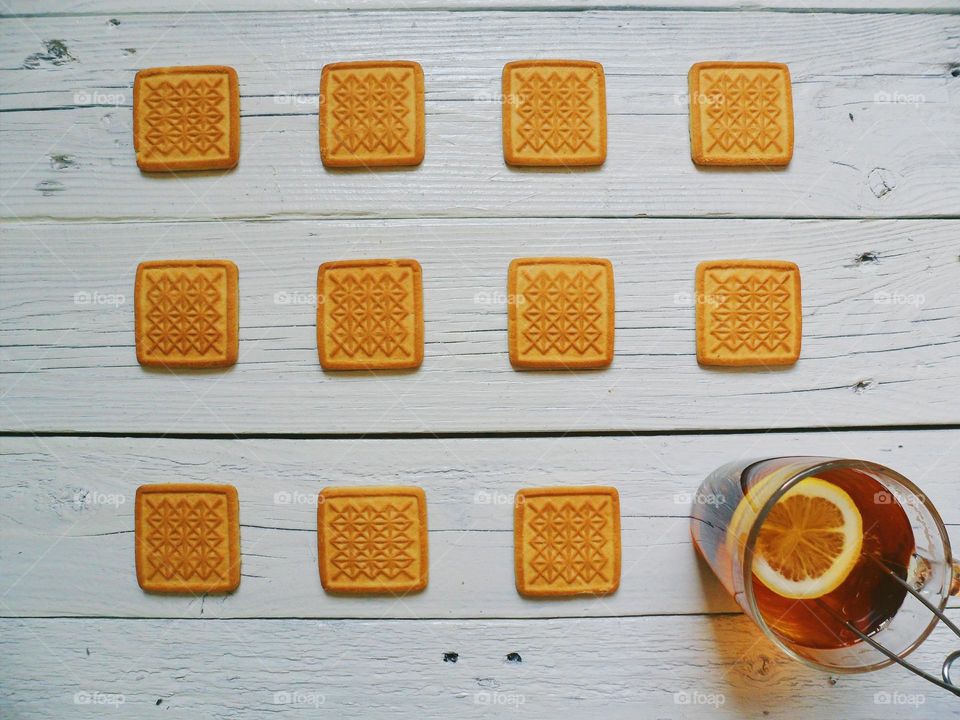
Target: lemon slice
<point>809,542</point>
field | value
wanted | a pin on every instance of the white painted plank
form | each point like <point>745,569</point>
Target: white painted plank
<point>123,7</point>
<point>874,95</point>
<point>881,329</point>
<point>663,667</point>
<point>68,516</point>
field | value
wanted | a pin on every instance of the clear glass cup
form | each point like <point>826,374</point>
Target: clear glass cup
<point>733,503</point>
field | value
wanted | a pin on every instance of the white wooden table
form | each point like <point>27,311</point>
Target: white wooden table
<point>869,208</point>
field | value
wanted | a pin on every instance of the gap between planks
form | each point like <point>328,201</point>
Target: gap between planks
<point>48,220</point>
<point>361,618</point>
<point>492,435</point>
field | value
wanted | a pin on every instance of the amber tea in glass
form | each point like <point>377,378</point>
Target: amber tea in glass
<point>900,535</point>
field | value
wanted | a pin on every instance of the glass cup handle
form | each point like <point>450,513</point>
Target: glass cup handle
<point>953,657</point>
<point>948,667</point>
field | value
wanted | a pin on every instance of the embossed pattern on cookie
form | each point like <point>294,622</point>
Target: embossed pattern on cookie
<point>567,541</point>
<point>560,313</point>
<point>741,114</point>
<point>554,113</point>
<point>372,539</point>
<point>749,312</point>
<point>187,538</point>
<point>371,114</point>
<point>370,314</point>
<point>187,313</point>
<point>186,118</point>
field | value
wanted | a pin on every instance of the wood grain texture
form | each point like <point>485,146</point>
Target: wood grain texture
<point>122,7</point>
<point>881,329</point>
<point>68,544</point>
<point>875,97</point>
<point>679,667</point>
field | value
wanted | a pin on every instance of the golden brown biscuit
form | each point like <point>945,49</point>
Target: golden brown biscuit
<point>371,114</point>
<point>187,538</point>
<point>554,113</point>
<point>370,314</point>
<point>187,313</point>
<point>560,313</point>
<point>741,113</point>
<point>186,118</point>
<point>372,539</point>
<point>749,312</point>
<point>567,541</point>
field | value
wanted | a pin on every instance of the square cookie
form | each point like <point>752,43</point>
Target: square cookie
<point>372,539</point>
<point>370,314</point>
<point>187,538</point>
<point>748,312</point>
<point>567,541</point>
<point>741,113</point>
<point>186,118</point>
<point>561,313</point>
<point>371,114</point>
<point>554,113</point>
<point>187,313</point>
